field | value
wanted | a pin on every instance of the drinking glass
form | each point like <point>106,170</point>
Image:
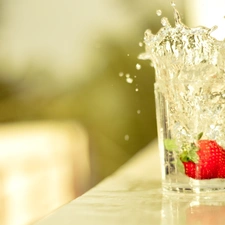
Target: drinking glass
<point>191,132</point>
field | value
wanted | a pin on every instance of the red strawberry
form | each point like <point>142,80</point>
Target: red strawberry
<point>211,158</point>
<point>203,160</point>
<point>221,169</point>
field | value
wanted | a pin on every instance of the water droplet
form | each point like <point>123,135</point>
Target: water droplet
<point>165,22</point>
<point>127,75</point>
<point>173,3</point>
<point>121,74</point>
<point>138,111</point>
<point>140,44</point>
<point>126,137</point>
<point>158,12</point>
<point>138,66</point>
<point>136,89</point>
<point>128,54</point>
<point>129,80</point>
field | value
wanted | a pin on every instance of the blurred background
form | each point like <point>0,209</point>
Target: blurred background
<point>70,60</point>
<point>77,61</point>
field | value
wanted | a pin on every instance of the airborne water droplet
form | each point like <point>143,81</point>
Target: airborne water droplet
<point>121,74</point>
<point>140,44</point>
<point>136,89</point>
<point>127,75</point>
<point>138,111</point>
<point>158,12</point>
<point>126,137</point>
<point>129,80</point>
<point>173,3</point>
<point>138,66</point>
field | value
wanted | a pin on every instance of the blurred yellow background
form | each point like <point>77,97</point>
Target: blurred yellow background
<point>63,60</point>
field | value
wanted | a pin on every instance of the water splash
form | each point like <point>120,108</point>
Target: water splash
<point>181,48</point>
<point>165,22</point>
<point>147,35</point>
<point>190,73</point>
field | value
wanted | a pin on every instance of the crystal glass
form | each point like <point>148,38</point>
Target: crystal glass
<point>191,133</point>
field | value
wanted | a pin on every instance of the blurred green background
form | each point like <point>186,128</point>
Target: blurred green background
<point>62,60</point>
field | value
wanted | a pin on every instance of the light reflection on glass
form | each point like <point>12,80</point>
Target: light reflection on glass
<point>191,209</point>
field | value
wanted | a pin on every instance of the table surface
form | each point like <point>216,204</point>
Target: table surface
<point>133,196</point>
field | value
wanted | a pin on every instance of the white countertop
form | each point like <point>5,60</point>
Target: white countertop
<point>133,196</point>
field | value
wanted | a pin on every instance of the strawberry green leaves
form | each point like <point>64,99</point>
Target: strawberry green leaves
<point>189,153</point>
<point>199,136</point>
<point>185,153</point>
<point>170,145</point>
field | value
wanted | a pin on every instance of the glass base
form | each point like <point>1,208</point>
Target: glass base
<point>195,186</point>
<point>192,190</point>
